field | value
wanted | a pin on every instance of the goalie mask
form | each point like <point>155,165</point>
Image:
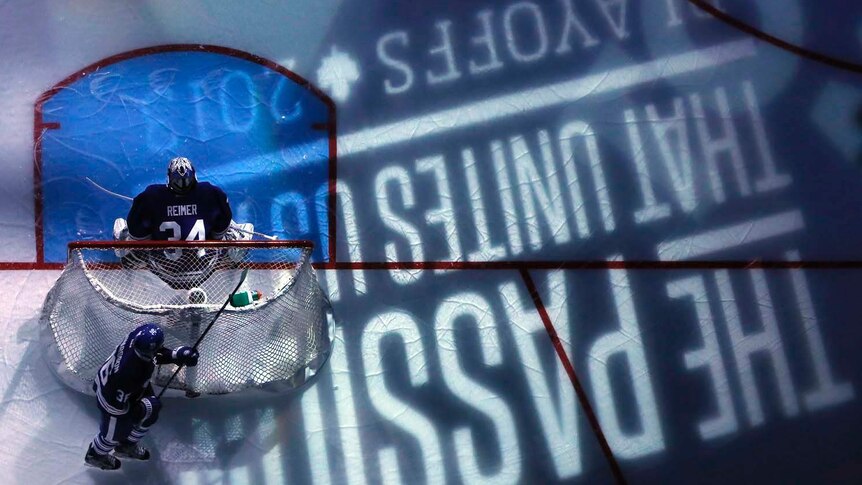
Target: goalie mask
<point>181,175</point>
<point>148,340</point>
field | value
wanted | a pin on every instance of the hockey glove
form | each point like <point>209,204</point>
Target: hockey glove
<point>186,356</point>
<point>146,410</point>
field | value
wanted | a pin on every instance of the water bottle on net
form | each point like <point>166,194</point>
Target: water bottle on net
<point>243,298</point>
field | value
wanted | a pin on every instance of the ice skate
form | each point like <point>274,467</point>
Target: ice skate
<point>102,462</point>
<point>135,451</point>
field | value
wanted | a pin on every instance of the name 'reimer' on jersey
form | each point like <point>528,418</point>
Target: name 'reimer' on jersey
<point>182,210</point>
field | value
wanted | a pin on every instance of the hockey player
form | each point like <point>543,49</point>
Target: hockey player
<point>180,209</point>
<point>125,396</point>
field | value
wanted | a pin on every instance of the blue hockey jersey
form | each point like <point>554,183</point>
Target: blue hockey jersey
<point>160,214</point>
<point>125,376</point>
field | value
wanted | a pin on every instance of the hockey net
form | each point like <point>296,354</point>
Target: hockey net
<point>108,288</point>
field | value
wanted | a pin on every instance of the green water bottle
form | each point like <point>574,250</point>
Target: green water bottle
<point>243,298</point>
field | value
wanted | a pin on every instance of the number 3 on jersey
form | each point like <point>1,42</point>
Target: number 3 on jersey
<point>107,368</point>
<point>198,232</point>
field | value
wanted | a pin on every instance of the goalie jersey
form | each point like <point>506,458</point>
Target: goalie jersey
<point>160,214</point>
<point>125,376</point>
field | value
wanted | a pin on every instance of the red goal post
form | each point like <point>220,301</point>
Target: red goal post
<point>107,288</point>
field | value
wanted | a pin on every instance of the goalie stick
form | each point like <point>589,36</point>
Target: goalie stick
<point>126,197</point>
<point>195,346</point>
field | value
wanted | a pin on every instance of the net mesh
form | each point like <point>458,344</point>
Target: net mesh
<point>108,289</point>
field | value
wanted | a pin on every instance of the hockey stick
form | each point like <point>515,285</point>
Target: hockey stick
<point>195,346</point>
<point>126,197</point>
<point>265,236</point>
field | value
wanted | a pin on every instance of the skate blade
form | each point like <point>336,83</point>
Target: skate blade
<point>102,467</point>
<point>131,457</point>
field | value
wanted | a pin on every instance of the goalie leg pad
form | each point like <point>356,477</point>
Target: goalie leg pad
<point>121,233</point>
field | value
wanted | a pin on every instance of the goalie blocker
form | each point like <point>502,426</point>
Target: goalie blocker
<point>273,344</point>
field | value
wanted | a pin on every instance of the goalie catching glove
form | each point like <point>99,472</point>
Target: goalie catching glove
<point>237,232</point>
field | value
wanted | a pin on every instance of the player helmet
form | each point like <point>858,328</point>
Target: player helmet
<point>148,340</point>
<point>181,175</point>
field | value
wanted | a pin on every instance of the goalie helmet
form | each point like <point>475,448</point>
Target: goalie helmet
<point>181,175</point>
<point>148,340</point>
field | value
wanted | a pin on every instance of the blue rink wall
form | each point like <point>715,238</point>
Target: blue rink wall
<point>633,197</point>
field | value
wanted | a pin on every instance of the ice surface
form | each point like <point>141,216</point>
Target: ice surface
<point>515,181</point>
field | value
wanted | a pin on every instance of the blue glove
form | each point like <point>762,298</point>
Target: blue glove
<point>186,356</point>
<point>146,410</point>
